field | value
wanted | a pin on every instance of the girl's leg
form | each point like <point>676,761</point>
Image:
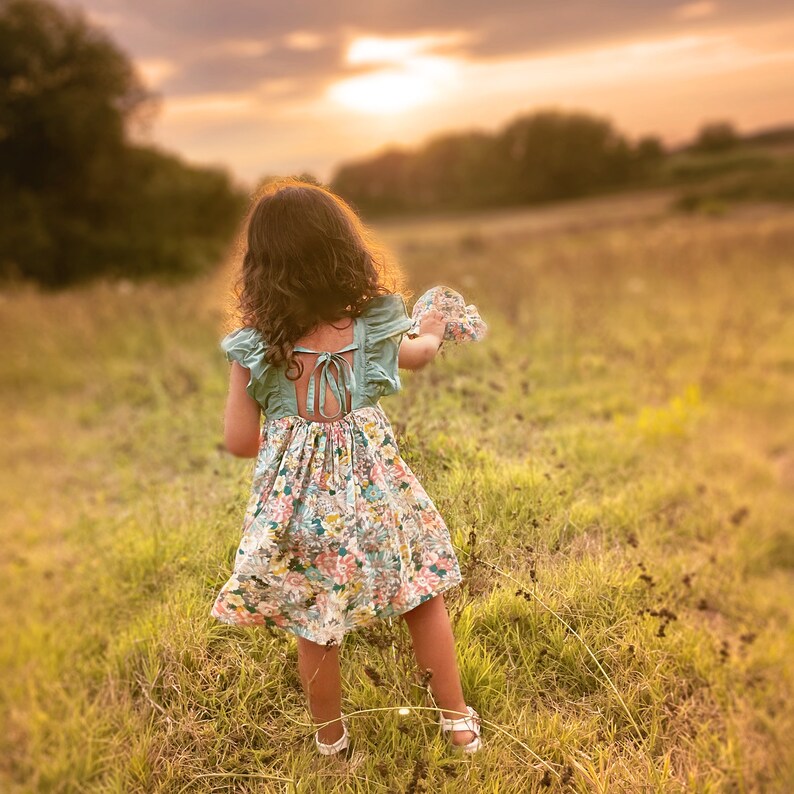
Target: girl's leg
<point>434,647</point>
<point>322,685</point>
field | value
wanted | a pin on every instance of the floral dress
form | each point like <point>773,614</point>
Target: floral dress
<point>338,532</point>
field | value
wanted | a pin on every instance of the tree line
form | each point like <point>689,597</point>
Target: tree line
<point>540,156</point>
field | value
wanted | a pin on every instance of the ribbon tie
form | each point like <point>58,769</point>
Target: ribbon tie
<point>344,379</point>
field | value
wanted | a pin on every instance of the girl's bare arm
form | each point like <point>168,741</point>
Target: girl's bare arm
<point>241,421</point>
<point>420,351</point>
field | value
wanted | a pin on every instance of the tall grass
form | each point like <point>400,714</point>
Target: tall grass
<point>614,463</point>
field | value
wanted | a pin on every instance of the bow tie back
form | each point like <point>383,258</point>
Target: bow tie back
<point>344,379</point>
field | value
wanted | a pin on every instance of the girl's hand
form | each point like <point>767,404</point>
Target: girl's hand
<point>433,323</point>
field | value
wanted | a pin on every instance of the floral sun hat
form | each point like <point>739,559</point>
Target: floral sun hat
<point>464,323</point>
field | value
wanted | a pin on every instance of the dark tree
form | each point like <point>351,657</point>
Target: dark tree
<point>457,171</point>
<point>76,199</point>
<point>377,185</point>
<point>648,155</point>
<point>560,155</point>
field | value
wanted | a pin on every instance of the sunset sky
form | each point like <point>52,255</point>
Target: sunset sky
<point>281,86</point>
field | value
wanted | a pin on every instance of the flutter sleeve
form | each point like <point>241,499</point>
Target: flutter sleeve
<point>247,348</point>
<point>386,320</point>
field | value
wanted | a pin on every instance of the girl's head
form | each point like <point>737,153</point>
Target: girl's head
<point>308,260</point>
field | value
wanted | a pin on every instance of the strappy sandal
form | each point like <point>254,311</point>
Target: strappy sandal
<point>338,746</point>
<point>470,723</point>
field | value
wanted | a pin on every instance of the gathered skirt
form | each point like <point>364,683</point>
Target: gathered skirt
<point>338,531</point>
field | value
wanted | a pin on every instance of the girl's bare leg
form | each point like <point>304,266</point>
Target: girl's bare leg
<point>434,647</point>
<point>322,685</point>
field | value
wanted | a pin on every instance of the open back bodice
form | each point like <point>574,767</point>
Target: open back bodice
<point>353,376</point>
<point>331,378</point>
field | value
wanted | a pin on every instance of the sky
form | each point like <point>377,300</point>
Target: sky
<point>265,87</point>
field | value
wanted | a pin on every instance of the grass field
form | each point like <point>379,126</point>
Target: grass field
<point>614,462</point>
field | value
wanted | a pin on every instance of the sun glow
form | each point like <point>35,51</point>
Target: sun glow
<point>382,92</point>
<point>377,49</point>
<point>407,77</point>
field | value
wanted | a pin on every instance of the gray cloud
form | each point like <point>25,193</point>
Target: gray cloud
<point>229,72</point>
<point>188,32</point>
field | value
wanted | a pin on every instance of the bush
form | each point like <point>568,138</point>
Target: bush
<point>717,136</point>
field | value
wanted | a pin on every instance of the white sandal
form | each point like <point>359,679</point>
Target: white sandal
<point>470,723</point>
<point>340,744</point>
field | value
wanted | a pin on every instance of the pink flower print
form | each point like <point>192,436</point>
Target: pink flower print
<point>400,599</point>
<point>346,568</point>
<point>243,617</point>
<point>401,471</point>
<point>267,610</point>
<point>379,599</point>
<point>295,582</point>
<point>281,508</point>
<point>377,472</point>
<point>334,605</point>
<point>425,581</point>
<point>434,559</point>
<point>429,521</point>
<point>325,562</point>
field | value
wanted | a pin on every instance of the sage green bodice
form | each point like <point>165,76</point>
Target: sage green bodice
<point>377,333</point>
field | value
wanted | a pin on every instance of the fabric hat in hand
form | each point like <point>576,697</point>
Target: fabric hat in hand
<point>464,323</point>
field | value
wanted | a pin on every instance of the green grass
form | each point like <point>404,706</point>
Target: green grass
<point>694,167</point>
<point>614,463</point>
<point>775,184</point>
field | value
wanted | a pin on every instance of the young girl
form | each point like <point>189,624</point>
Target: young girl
<point>338,531</point>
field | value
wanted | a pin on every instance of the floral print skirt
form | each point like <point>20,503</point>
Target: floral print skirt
<point>338,531</point>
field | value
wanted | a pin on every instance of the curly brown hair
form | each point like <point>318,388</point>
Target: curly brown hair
<point>309,259</point>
